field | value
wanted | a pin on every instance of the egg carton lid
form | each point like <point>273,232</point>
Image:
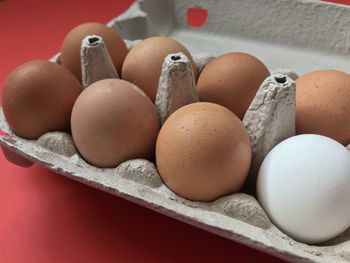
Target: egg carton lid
<point>301,35</point>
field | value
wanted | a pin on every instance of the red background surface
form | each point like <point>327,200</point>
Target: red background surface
<point>45,217</point>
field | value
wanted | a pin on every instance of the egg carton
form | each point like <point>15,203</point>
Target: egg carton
<point>302,35</point>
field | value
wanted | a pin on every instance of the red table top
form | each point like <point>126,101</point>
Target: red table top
<point>48,218</point>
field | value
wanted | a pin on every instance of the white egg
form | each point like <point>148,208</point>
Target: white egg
<point>304,187</point>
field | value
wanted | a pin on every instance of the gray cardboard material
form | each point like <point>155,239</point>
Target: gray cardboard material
<point>176,87</point>
<point>269,120</point>
<point>300,35</point>
<point>290,37</point>
<point>96,63</point>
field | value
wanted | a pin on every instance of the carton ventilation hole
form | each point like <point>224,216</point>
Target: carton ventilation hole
<point>93,40</point>
<point>196,17</point>
<point>281,79</point>
<point>175,58</point>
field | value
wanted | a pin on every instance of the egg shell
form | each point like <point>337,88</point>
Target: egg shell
<point>38,97</point>
<point>143,64</point>
<point>303,185</point>
<point>114,121</point>
<point>71,46</point>
<point>203,152</point>
<point>323,104</point>
<point>232,80</point>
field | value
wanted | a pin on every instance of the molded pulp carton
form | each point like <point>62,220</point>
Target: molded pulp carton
<point>290,37</point>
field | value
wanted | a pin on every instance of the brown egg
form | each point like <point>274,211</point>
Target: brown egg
<point>323,104</point>
<point>38,97</point>
<point>114,121</point>
<point>70,50</point>
<point>203,152</point>
<point>232,80</point>
<point>143,64</point>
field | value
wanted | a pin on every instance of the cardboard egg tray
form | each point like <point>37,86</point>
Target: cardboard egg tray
<point>290,37</point>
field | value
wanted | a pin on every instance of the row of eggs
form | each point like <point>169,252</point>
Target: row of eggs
<point>202,151</point>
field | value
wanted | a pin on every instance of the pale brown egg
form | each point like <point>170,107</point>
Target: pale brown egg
<point>232,80</point>
<point>114,121</point>
<point>38,97</point>
<point>143,64</point>
<point>323,104</point>
<point>203,152</point>
<point>70,50</point>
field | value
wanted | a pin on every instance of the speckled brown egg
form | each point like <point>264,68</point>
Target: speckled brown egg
<point>203,152</point>
<point>143,64</point>
<point>114,121</point>
<point>232,80</point>
<point>323,104</point>
<point>38,97</point>
<point>70,50</point>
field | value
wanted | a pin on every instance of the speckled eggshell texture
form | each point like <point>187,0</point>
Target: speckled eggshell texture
<point>323,104</point>
<point>114,121</point>
<point>143,64</point>
<point>203,152</point>
<point>38,97</point>
<point>232,80</point>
